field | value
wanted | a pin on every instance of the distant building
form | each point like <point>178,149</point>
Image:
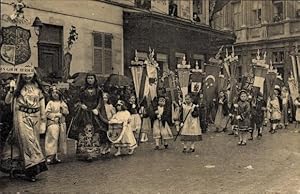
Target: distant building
<point>270,25</point>
<point>174,28</point>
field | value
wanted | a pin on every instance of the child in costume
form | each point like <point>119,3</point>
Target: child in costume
<point>135,117</point>
<point>128,140</point>
<point>146,121</point>
<point>109,112</point>
<point>202,113</point>
<point>243,117</point>
<point>258,108</point>
<point>285,96</point>
<point>274,112</point>
<point>56,139</point>
<point>234,121</point>
<point>297,105</point>
<point>161,129</point>
<point>191,131</point>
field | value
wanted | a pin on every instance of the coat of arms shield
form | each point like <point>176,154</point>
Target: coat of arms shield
<point>15,47</point>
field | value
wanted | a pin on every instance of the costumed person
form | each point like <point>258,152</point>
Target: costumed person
<point>202,113</point>
<point>234,122</point>
<point>89,125</point>
<point>161,129</point>
<point>6,116</point>
<point>222,113</point>
<point>297,117</point>
<point>273,112</point>
<point>28,117</point>
<point>56,140</point>
<point>146,121</point>
<point>136,121</point>
<point>127,140</point>
<point>258,108</point>
<point>110,111</point>
<point>243,117</point>
<point>285,96</point>
<point>191,131</point>
<point>277,92</point>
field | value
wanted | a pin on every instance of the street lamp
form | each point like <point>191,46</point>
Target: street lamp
<point>38,25</point>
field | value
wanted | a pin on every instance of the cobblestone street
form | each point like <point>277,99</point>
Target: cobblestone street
<point>269,165</point>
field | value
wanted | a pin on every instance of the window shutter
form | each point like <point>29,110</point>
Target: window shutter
<point>98,40</point>
<point>108,41</point>
<point>98,58</point>
<point>108,61</point>
<point>102,53</point>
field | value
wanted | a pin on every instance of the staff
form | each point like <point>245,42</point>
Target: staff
<point>183,122</point>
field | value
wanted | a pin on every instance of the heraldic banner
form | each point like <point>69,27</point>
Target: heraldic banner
<point>259,79</point>
<point>196,79</point>
<point>184,78</point>
<point>15,50</point>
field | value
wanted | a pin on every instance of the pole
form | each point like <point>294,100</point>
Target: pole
<point>183,122</point>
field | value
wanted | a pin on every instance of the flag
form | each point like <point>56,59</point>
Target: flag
<point>210,82</point>
<point>270,83</point>
<point>137,72</point>
<point>184,78</point>
<point>196,81</point>
<point>295,68</point>
<point>259,78</point>
<point>293,86</point>
<point>218,5</point>
<point>222,83</point>
<point>152,78</point>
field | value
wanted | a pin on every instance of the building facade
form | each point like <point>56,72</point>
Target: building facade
<point>99,47</point>
<point>174,28</point>
<point>109,32</point>
<point>273,26</point>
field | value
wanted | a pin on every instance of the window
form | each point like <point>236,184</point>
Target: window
<point>278,62</point>
<point>173,8</point>
<point>256,12</point>
<point>237,15</point>
<point>50,52</point>
<point>278,11</point>
<point>200,59</point>
<point>179,57</point>
<point>102,53</point>
<point>197,10</point>
<point>278,57</point>
<point>162,60</point>
<point>144,4</point>
<point>298,9</point>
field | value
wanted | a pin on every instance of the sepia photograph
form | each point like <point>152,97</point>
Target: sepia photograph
<point>150,96</point>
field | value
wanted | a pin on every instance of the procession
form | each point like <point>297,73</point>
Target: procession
<point>57,111</point>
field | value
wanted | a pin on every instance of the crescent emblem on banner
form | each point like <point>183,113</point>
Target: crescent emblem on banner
<point>210,77</point>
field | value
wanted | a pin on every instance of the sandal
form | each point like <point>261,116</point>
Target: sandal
<point>191,150</point>
<point>184,150</point>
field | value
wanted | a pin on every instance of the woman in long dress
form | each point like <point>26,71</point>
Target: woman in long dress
<point>89,126</point>
<point>222,113</point>
<point>22,153</point>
